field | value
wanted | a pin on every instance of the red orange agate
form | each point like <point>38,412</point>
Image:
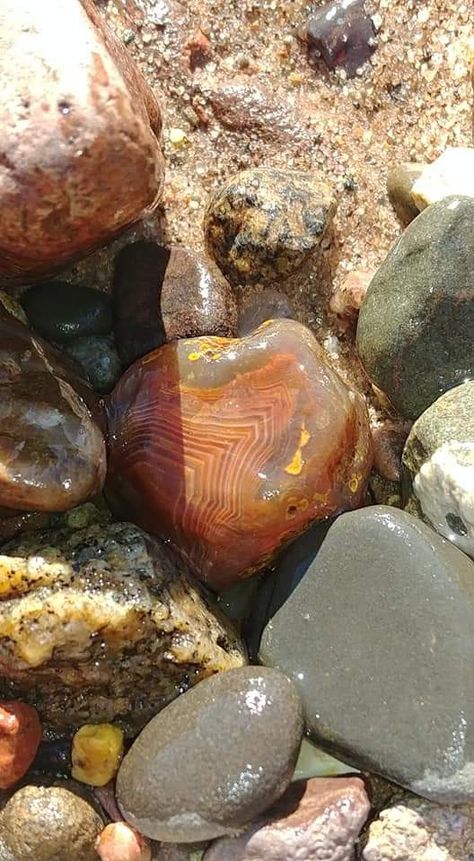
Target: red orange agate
<point>230,447</point>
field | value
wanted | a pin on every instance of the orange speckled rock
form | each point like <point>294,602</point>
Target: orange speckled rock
<point>20,735</point>
<point>80,159</point>
<point>230,447</point>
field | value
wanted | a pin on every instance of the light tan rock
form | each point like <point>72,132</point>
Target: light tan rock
<point>417,830</point>
<point>79,156</point>
<point>451,173</point>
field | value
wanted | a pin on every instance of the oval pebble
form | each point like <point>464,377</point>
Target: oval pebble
<point>214,759</point>
<point>60,311</point>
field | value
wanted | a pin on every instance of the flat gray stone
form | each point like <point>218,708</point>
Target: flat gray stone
<point>379,637</point>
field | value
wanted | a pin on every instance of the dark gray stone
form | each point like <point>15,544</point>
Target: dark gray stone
<point>378,636</point>
<point>214,760</point>
<point>60,311</point>
<point>415,327</point>
<point>98,359</point>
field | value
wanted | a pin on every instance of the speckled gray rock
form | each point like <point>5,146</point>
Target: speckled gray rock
<point>438,466</point>
<point>416,830</point>
<point>400,181</point>
<point>102,624</point>
<point>414,333</point>
<point>316,819</point>
<point>215,759</point>
<point>266,223</point>
<point>162,294</point>
<point>378,638</point>
<point>48,823</point>
<point>99,361</point>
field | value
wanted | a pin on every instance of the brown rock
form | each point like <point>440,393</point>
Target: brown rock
<point>417,830</point>
<point>244,106</point>
<point>388,440</point>
<point>162,294</point>
<point>400,181</point>
<point>318,818</point>
<point>80,158</point>
<point>347,299</point>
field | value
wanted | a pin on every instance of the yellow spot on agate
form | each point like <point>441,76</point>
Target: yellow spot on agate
<point>354,482</point>
<point>295,465</point>
<point>208,350</point>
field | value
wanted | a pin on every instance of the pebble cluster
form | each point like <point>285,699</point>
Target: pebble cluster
<point>236,583</point>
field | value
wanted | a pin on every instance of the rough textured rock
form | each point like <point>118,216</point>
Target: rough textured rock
<point>267,305</point>
<point>415,830</point>
<point>214,759</point>
<point>451,173</point>
<point>59,311</point>
<point>162,294</point>
<point>99,361</point>
<point>80,157</point>
<point>99,624</point>
<point>48,823</point>
<point>386,608</point>
<point>347,300</point>
<point>52,452</point>
<point>438,461</point>
<point>315,819</point>
<point>342,33</point>
<point>400,181</point>
<point>266,224</point>
<point>230,448</point>
<point>415,325</point>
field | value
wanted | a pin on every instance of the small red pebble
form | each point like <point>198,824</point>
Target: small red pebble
<point>20,735</point>
<point>120,842</point>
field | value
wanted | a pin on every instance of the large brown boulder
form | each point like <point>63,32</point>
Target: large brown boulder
<point>79,155</point>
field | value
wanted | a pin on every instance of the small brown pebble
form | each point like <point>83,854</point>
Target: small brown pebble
<point>400,181</point>
<point>388,440</point>
<point>199,49</point>
<point>347,299</point>
<point>243,105</point>
<point>343,34</point>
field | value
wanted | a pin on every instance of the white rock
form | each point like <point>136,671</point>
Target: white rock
<point>444,487</point>
<point>451,173</point>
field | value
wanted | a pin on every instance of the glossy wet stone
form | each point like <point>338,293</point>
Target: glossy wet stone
<point>343,34</point>
<point>52,452</point>
<point>414,333</point>
<point>267,305</point>
<point>99,361</point>
<point>265,224</point>
<point>162,294</point>
<point>215,759</point>
<point>378,638</point>
<point>101,625</point>
<point>315,819</point>
<point>438,466</point>
<point>229,448</point>
<point>60,311</point>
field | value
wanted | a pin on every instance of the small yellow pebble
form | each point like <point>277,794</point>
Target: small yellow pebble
<point>177,137</point>
<point>97,750</point>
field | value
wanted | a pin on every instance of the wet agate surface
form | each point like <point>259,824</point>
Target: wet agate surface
<point>228,448</point>
<point>52,451</point>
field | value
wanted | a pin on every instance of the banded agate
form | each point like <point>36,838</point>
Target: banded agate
<point>229,448</point>
<point>52,451</point>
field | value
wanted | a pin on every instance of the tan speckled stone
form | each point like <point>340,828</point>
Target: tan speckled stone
<point>80,159</point>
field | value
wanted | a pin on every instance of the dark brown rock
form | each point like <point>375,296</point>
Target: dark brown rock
<point>245,106</point>
<point>215,759</point>
<point>162,294</point>
<point>343,34</point>
<point>315,819</point>
<point>52,451</point>
<point>80,157</point>
<point>265,224</point>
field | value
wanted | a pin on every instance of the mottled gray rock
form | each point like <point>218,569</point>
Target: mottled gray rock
<point>414,333</point>
<point>377,635</point>
<point>438,466</point>
<point>99,361</point>
<point>315,819</point>
<point>416,830</point>
<point>215,759</point>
